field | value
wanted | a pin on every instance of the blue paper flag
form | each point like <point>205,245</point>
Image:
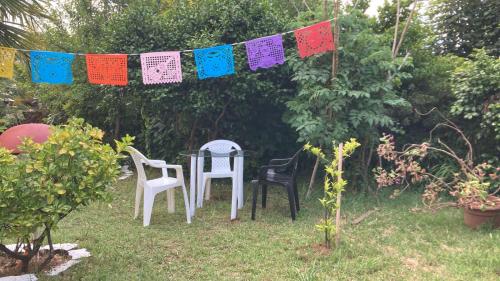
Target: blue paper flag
<point>214,61</point>
<point>51,67</point>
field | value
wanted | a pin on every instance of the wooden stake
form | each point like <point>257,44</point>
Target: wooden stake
<point>339,198</point>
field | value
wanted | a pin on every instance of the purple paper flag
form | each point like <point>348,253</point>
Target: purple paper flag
<point>265,52</point>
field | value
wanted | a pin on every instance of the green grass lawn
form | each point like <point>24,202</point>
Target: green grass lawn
<point>391,244</point>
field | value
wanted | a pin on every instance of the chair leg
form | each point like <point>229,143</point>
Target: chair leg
<point>186,203</point>
<point>138,194</point>
<point>255,187</point>
<point>240,195</point>
<point>296,193</point>
<point>149,198</point>
<point>264,195</point>
<point>291,201</point>
<point>207,184</point>
<point>234,199</point>
<point>171,200</point>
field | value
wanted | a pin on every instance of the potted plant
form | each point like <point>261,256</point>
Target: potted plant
<point>475,186</point>
<point>479,205</point>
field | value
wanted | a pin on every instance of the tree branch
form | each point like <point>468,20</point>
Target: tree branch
<point>407,24</point>
<point>396,30</point>
<point>307,6</point>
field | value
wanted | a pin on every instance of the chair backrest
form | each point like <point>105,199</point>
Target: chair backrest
<point>295,161</point>
<point>221,164</point>
<point>291,166</point>
<point>139,161</point>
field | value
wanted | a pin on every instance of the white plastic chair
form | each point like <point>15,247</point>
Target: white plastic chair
<point>221,168</point>
<point>154,186</point>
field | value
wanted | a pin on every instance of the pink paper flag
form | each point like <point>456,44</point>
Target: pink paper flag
<point>161,67</point>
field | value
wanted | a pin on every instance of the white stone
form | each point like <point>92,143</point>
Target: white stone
<point>25,277</point>
<point>62,246</point>
<point>62,267</point>
<point>79,253</point>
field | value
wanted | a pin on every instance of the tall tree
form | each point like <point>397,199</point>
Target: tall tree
<point>359,102</point>
<point>464,25</point>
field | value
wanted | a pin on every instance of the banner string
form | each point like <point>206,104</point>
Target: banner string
<point>182,51</point>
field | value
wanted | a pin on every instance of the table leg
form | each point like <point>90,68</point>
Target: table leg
<point>192,185</point>
<point>240,182</point>
<point>199,178</point>
<point>235,194</point>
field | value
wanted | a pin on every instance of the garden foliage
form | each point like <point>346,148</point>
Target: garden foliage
<point>464,25</point>
<point>269,110</point>
<point>48,181</point>
<point>476,87</point>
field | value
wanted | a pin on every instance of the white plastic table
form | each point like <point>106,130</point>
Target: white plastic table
<point>197,158</point>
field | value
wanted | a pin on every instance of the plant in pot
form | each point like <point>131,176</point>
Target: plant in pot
<point>473,195</point>
<point>45,184</point>
<point>475,186</point>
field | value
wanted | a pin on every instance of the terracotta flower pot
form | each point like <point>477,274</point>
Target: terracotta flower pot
<point>474,217</point>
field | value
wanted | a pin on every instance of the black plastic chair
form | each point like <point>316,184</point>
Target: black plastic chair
<point>279,172</point>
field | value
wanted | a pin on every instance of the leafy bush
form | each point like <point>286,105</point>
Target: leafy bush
<point>49,181</point>
<point>464,25</point>
<point>476,85</point>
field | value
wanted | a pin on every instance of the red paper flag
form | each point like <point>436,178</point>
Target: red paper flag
<point>109,69</point>
<point>314,39</point>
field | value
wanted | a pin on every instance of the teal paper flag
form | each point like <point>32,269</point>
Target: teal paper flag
<point>51,67</point>
<point>214,61</point>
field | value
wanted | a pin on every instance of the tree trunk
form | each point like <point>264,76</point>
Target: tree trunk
<point>405,28</point>
<point>365,161</point>
<point>313,177</point>
<point>396,27</point>
<point>336,39</point>
<point>116,131</point>
<point>316,164</point>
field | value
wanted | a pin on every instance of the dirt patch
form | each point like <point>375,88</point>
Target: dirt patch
<point>308,252</point>
<point>450,249</point>
<point>417,263</point>
<point>321,249</point>
<point>388,231</point>
<point>390,251</point>
<point>11,267</point>
<point>411,263</point>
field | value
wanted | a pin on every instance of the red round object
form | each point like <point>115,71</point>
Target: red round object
<point>13,136</point>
